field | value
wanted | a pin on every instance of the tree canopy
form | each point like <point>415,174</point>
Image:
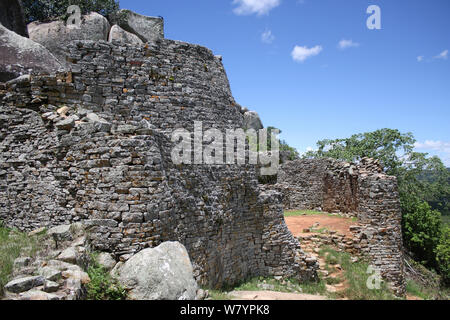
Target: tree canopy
<point>49,10</point>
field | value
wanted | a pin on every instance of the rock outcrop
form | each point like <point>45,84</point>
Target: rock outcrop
<point>118,34</point>
<point>148,29</point>
<point>56,36</point>
<point>161,273</point>
<point>252,121</point>
<point>12,18</point>
<point>20,56</point>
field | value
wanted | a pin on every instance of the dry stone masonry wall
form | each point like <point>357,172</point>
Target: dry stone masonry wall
<point>359,190</point>
<point>93,145</point>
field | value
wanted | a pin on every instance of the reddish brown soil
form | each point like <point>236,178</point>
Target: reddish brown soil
<point>297,224</point>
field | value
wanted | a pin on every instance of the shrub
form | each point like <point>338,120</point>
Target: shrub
<point>422,232</point>
<point>443,255</point>
<point>102,285</point>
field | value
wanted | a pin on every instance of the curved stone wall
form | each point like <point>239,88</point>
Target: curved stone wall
<point>94,145</point>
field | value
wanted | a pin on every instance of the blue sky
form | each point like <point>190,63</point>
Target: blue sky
<point>342,78</point>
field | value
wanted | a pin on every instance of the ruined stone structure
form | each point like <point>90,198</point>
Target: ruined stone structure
<point>94,145</point>
<point>359,190</point>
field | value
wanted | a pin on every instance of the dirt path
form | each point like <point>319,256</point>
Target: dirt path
<point>272,295</point>
<point>297,224</point>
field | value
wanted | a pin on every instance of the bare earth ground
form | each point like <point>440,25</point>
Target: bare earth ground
<point>297,224</point>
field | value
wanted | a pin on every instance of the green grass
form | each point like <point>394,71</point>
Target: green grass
<point>297,213</point>
<point>303,212</point>
<point>415,289</point>
<point>102,285</point>
<point>356,277</point>
<point>12,245</point>
<point>288,286</point>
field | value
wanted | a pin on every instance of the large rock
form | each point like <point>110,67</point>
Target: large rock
<point>20,56</point>
<point>148,29</point>
<point>24,284</point>
<point>12,18</point>
<point>118,34</point>
<point>252,121</point>
<point>161,273</point>
<point>56,36</point>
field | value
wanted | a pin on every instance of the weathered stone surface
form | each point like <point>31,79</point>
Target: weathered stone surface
<point>49,273</point>
<point>106,260</point>
<point>12,17</point>
<point>66,124</point>
<point>60,233</point>
<point>38,295</point>
<point>252,121</point>
<point>161,273</point>
<point>121,183</point>
<point>146,28</point>
<point>20,56</point>
<point>22,262</point>
<point>24,284</point>
<point>69,255</point>
<point>50,286</point>
<point>118,34</point>
<point>56,36</point>
<point>78,275</point>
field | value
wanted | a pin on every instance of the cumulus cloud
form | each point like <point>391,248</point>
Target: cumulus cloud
<point>442,55</point>
<point>420,58</point>
<point>259,7</point>
<point>434,145</point>
<point>300,54</point>
<point>267,37</point>
<point>344,44</point>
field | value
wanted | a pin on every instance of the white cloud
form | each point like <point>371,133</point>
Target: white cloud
<point>344,44</point>
<point>441,148</point>
<point>434,145</point>
<point>442,55</point>
<point>260,7</point>
<point>267,37</point>
<point>300,54</point>
<point>420,58</point>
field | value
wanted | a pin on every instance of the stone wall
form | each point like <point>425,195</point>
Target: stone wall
<point>357,190</point>
<point>93,145</point>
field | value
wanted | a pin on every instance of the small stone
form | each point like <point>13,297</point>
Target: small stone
<point>24,284</point>
<point>82,276</point>
<point>66,124</point>
<point>49,273</point>
<point>106,260</point>
<point>37,231</point>
<point>68,255</point>
<point>38,295</point>
<point>62,111</point>
<point>22,262</point>
<point>50,286</point>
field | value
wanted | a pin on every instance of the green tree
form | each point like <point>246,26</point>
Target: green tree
<point>422,232</point>
<point>49,10</point>
<point>443,254</point>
